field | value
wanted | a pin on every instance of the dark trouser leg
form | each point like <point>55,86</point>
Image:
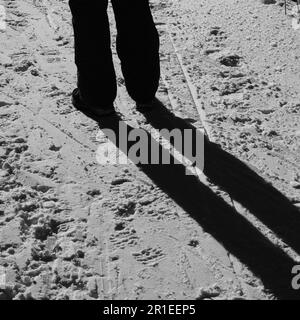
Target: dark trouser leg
<point>138,48</point>
<point>96,75</point>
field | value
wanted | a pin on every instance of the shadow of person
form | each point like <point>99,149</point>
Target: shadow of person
<point>216,217</point>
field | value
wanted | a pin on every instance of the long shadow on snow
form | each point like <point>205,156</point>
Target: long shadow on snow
<point>215,216</point>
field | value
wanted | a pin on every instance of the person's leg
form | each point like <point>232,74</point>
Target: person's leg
<point>138,48</point>
<point>96,75</point>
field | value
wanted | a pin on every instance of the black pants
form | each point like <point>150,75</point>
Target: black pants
<point>137,47</point>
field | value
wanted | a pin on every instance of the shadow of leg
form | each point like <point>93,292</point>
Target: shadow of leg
<point>240,182</point>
